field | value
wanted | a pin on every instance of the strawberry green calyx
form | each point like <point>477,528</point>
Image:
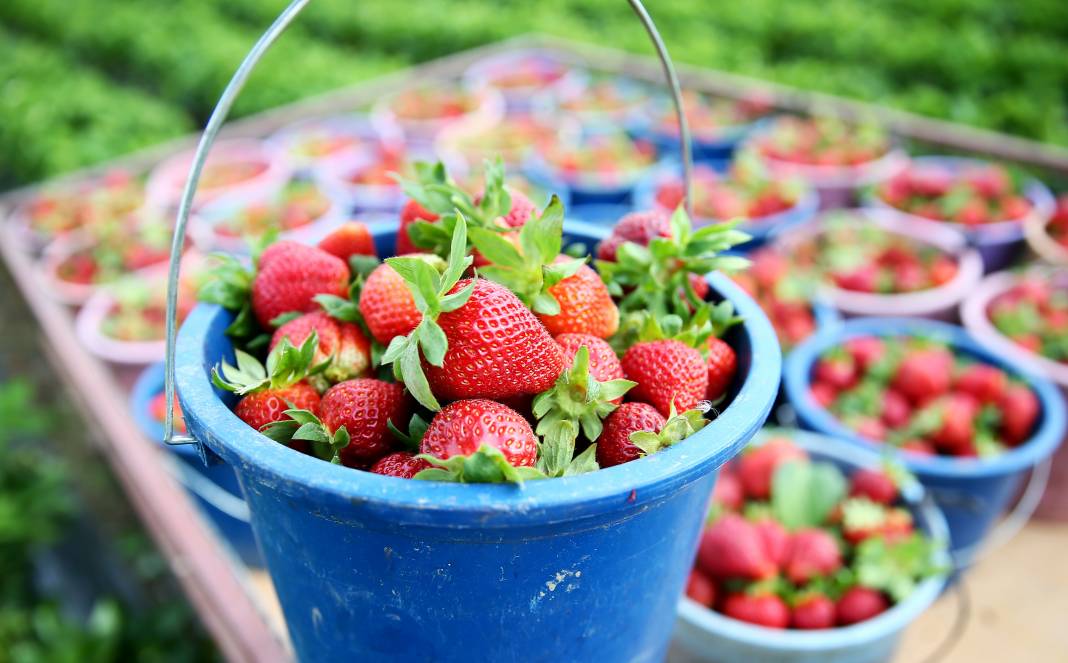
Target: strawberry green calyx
<point>305,426</point>
<point>678,427</point>
<point>230,286</point>
<point>416,429</point>
<point>896,568</point>
<point>435,191</point>
<point>652,278</point>
<point>530,269</point>
<point>804,493</point>
<point>708,320</point>
<point>430,290</point>
<point>577,401</point>
<point>286,366</point>
<point>487,465</point>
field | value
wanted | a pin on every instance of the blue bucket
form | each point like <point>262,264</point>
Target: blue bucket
<point>712,636</point>
<point>971,492</point>
<point>369,567</point>
<point>761,230</point>
<point>602,215</point>
<point>998,243</point>
<point>214,488</point>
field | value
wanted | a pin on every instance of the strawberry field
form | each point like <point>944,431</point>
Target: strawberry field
<point>85,80</point>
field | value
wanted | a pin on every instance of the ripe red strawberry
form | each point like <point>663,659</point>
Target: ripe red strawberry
<point>614,446</point>
<point>387,306</point>
<point>411,213</point>
<point>762,609</point>
<point>351,238</point>
<point>813,611</point>
<point>732,548</point>
<point>775,538</point>
<point>722,365</point>
<point>875,485</point>
<point>290,275</point>
<point>462,427</point>
<point>865,351</point>
<point>364,406</point>
<point>700,588</point>
<point>859,604</point>
<point>667,372</point>
<point>266,407</point>
<point>497,348</point>
<point>983,382</point>
<point>924,375</point>
<point>401,464</point>
<point>342,343</point>
<point>896,409</point>
<point>918,447</point>
<point>812,553</point>
<point>956,436</point>
<point>757,465</point>
<point>604,364</point>
<point>728,490</point>
<point>869,427</point>
<point>157,408</point>
<point>836,370</point>
<point>585,306</point>
<point>1019,412</point>
<point>637,227</point>
<point>823,393</point>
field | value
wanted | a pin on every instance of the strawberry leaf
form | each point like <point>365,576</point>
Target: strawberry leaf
<point>896,568</point>
<point>495,248</point>
<point>487,465</point>
<point>803,494</point>
<point>416,430</point>
<point>584,463</point>
<point>339,308</point>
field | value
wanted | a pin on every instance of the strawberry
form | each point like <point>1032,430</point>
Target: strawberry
<point>290,275</point>
<point>757,465</point>
<point>836,369</point>
<point>669,374</point>
<point>604,364</point>
<point>463,427</point>
<point>813,611</point>
<point>1019,412</point>
<point>262,408</point>
<point>775,538</point>
<point>728,490</point>
<point>875,485</point>
<point>351,238</point>
<point>722,365</point>
<point>364,407</point>
<point>637,429</point>
<point>342,346</point>
<point>387,305</point>
<point>401,464</point>
<point>637,227</point>
<point>918,447</point>
<point>412,212</point>
<point>494,324</point>
<point>519,212</point>
<point>811,553</point>
<point>896,409</point>
<point>956,434</point>
<point>924,375</point>
<point>823,393</point>
<point>865,351</point>
<point>585,306</point>
<point>157,409</point>
<point>859,604</point>
<point>732,548</point>
<point>983,382</point>
<point>701,588</point>
<point>869,427</point>
<point>766,610</point>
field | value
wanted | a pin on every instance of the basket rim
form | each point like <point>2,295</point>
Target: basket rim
<point>631,486</point>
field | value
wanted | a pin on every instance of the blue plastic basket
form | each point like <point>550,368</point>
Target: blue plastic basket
<point>214,487</point>
<point>367,565</point>
<point>971,492</point>
<point>711,636</point>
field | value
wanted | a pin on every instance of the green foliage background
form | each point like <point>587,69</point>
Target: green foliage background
<point>83,80</point>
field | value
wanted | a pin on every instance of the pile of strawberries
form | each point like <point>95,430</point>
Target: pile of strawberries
<point>823,141</point>
<point>1034,314</point>
<point>918,395</point>
<point>782,293</point>
<point>863,257</point>
<point>972,196</point>
<point>792,543</point>
<point>1058,223</point>
<point>605,159</point>
<point>483,352</point>
<point>747,192</point>
<point>711,117</point>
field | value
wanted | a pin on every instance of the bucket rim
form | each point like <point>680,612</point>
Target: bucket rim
<point>798,365</point>
<point>634,484</point>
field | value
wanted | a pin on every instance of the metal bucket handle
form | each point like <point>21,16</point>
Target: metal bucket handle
<point>222,110</point>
